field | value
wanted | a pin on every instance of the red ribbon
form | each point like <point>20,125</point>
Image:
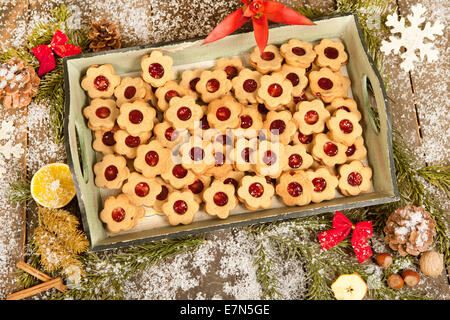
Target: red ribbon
<point>44,53</point>
<point>260,12</point>
<point>341,228</point>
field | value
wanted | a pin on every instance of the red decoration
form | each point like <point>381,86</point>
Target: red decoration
<point>341,228</point>
<point>259,11</point>
<point>58,45</point>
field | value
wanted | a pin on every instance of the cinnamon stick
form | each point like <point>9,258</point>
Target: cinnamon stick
<point>44,286</point>
<point>38,274</point>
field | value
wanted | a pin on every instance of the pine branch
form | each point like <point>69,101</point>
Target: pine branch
<point>265,275</point>
<point>19,191</point>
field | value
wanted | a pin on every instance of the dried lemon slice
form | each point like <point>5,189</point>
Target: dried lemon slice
<point>52,185</point>
<point>349,287</point>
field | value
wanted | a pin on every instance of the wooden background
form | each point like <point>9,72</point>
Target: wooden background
<point>419,100</point>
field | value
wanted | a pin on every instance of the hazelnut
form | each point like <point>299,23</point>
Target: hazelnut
<point>431,263</point>
<point>384,260</point>
<point>411,278</point>
<point>395,281</point>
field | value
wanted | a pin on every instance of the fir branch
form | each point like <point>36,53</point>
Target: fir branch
<point>265,275</point>
<point>19,191</point>
<point>21,53</point>
<point>438,176</point>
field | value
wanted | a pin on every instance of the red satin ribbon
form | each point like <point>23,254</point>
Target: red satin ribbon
<point>341,228</point>
<point>46,53</point>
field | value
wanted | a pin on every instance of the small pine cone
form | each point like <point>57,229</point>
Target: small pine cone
<point>104,36</point>
<point>18,83</point>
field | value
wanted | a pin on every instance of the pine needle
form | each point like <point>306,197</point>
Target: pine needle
<point>20,192</point>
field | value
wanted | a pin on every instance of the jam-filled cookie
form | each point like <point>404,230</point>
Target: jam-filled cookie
<point>157,68</point>
<point>104,141</point>
<point>120,214</point>
<point>126,144</point>
<point>222,163</point>
<point>197,155</point>
<point>142,191</point>
<point>166,92</point>
<point>295,189</point>
<point>298,53</point>
<point>183,112</point>
<point>233,177</point>
<point>178,176</point>
<point>297,77</point>
<point>326,84</point>
<point>150,97</point>
<point>275,90</point>
<point>136,117</point>
<point>100,81</point>
<point>224,113</point>
<point>168,136</point>
<point>344,127</point>
<point>324,184</point>
<point>255,192</point>
<point>328,151</point>
<point>357,151</point>
<point>231,66</point>
<point>271,159</point>
<point>180,207</point>
<point>354,178</point>
<point>213,85</point>
<point>101,114</point>
<point>246,85</point>
<point>250,122</point>
<point>244,154</point>
<point>303,139</point>
<point>199,186</point>
<point>297,158</point>
<point>111,172</point>
<point>152,159</point>
<point>219,199</point>
<point>129,90</point>
<point>331,54</point>
<point>311,116</point>
<point>347,104</point>
<point>279,126</point>
<point>189,79</point>
<point>161,198</point>
<point>268,61</point>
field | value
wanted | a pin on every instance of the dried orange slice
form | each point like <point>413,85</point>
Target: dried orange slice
<point>52,185</point>
<point>349,287</point>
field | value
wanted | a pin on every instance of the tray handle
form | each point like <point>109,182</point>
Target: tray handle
<point>368,98</point>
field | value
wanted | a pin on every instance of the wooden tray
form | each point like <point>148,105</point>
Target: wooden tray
<point>189,54</point>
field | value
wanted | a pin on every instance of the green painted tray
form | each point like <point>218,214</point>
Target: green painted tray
<point>188,54</point>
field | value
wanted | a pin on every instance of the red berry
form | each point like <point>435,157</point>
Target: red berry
<point>197,154</point>
<point>354,179</point>
<point>135,116</point>
<point>319,184</point>
<point>331,53</point>
<point>196,187</point>
<point>346,126</point>
<point>220,198</point>
<point>223,113</point>
<point>350,150</point>
<point>269,158</point>
<point>111,172</point>
<point>256,190</point>
<point>108,138</point>
<point>170,94</point>
<point>163,194</point>
<point>267,56</point>
<point>118,214</point>
<point>293,77</point>
<point>152,158</point>
<point>101,83</point>
<point>311,117</point>
<point>231,181</point>
<point>330,149</point>
<point>250,85</point>
<point>298,51</point>
<point>294,189</point>
<point>193,83</point>
<point>180,207</point>
<point>184,113</point>
<point>305,138</point>
<point>171,134</point>
<point>295,161</point>
<point>212,85</point>
<point>132,141</point>
<point>156,70</point>
<point>231,72</point>
<point>142,189</point>
<point>277,127</point>
<point>246,121</point>
<point>129,92</point>
<point>102,112</point>
<point>325,83</point>
<point>179,172</point>
<point>275,90</point>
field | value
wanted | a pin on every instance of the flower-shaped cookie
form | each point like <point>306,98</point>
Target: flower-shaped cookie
<point>101,114</point>
<point>189,79</point>
<point>344,127</point>
<point>166,92</point>
<point>295,189</point>
<point>136,117</point>
<point>220,199</point>
<point>271,159</point>
<point>142,191</point>
<point>224,113</point>
<point>324,184</point>
<point>233,177</point>
<point>120,214</point>
<point>213,85</point>
<point>347,104</point>
<point>168,136</point>
<point>126,144</point>
<point>297,77</point>
<point>129,90</point>
<point>222,164</point>
<point>180,207</point>
<point>178,176</point>
<point>331,54</point>
<point>279,126</point>
<point>244,154</point>
<point>250,122</point>
<point>275,90</point>
<point>255,192</point>
<point>326,84</point>
<point>354,178</point>
<point>269,61</point>
<point>183,112</point>
<point>104,141</point>
<point>150,95</point>
<point>111,172</point>
<point>303,139</point>
<point>157,68</point>
<point>298,53</point>
<point>100,81</point>
<point>152,159</point>
<point>297,158</point>
<point>357,151</point>
<point>311,116</point>
<point>245,86</point>
<point>199,186</point>
<point>328,151</point>
<point>197,155</point>
<point>161,198</point>
<point>231,66</point>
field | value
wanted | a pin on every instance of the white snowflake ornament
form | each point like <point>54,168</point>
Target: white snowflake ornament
<point>412,38</point>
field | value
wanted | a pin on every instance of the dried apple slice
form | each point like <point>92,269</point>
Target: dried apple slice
<point>349,287</point>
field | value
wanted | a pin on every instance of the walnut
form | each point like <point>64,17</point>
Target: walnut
<point>431,263</point>
<point>409,230</point>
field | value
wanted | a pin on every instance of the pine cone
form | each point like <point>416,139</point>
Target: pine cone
<point>409,230</point>
<point>18,83</point>
<point>104,36</point>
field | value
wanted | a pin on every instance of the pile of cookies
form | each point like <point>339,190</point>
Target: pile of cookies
<point>227,135</point>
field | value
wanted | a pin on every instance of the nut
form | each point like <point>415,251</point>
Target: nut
<point>431,263</point>
<point>384,260</point>
<point>395,281</point>
<point>411,278</point>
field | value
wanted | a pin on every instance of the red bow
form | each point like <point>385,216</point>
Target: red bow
<point>341,228</point>
<point>44,53</point>
<point>260,11</point>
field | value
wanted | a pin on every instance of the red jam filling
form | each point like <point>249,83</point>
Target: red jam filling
<point>156,70</point>
<point>354,179</point>
<point>196,187</point>
<point>346,126</point>
<point>101,83</point>
<point>184,113</point>
<point>267,56</point>
<point>204,125</point>
<point>299,99</point>
<point>118,214</point>
<point>231,181</point>
<point>223,113</point>
<point>305,138</point>
<point>330,149</point>
<point>135,116</point>
<point>152,158</point>
<point>179,172</point>
<point>224,139</point>
<point>350,150</point>
<point>132,142</point>
<point>180,207</point>
<point>344,108</point>
<point>277,127</point>
<point>319,184</point>
<point>293,77</point>
<point>129,92</point>
<point>269,158</point>
<point>295,161</point>
<point>142,189</point>
<point>311,117</point>
<point>298,51</point>
<point>250,85</point>
<point>212,85</point>
<point>246,121</point>
<point>245,154</point>
<point>197,154</point>
<point>256,190</point>
<point>294,189</point>
<point>193,83</point>
<point>170,94</point>
<point>171,134</point>
<point>219,158</point>
<point>111,172</point>
<point>231,72</point>
<point>102,112</point>
<point>108,138</point>
<point>163,194</point>
<point>220,199</point>
<point>331,53</point>
<point>275,90</point>
<point>325,83</point>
